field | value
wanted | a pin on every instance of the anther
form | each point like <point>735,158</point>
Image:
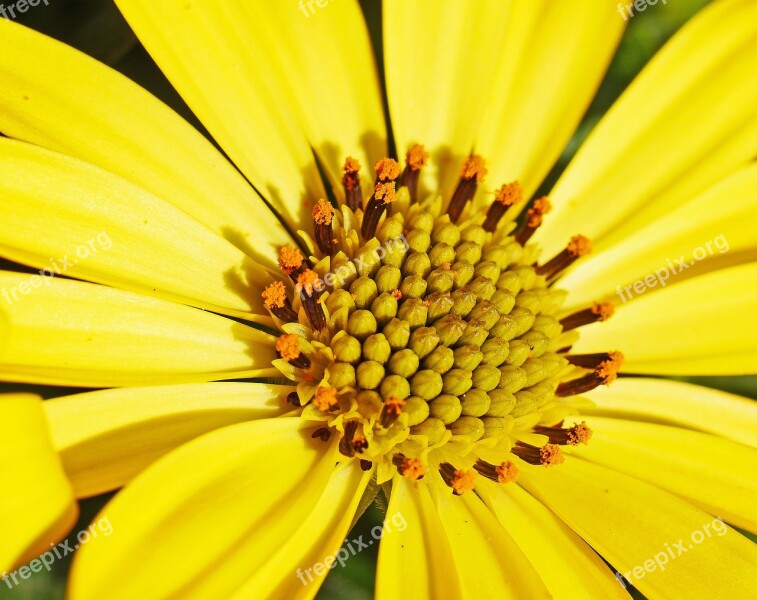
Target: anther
<point>323,215</point>
<point>346,443</point>
<point>383,195</point>
<point>322,433</point>
<point>310,288</point>
<point>412,468</point>
<point>459,480</point>
<point>365,465</point>
<point>293,398</point>
<point>597,312</point>
<point>416,159</point>
<point>508,195</point>
<point>577,247</point>
<point>568,436</point>
<point>534,218</point>
<point>473,173</point>
<point>592,361</point>
<point>549,454</point>
<point>292,261</point>
<point>506,472</point>
<point>387,169</point>
<point>276,301</point>
<point>391,410</point>
<point>604,373</point>
<point>288,348</point>
<point>351,181</point>
<point>325,398</point>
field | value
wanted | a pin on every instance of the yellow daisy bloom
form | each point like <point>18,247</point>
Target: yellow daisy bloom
<point>409,334</point>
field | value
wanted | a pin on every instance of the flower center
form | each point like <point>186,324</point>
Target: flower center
<point>429,338</point>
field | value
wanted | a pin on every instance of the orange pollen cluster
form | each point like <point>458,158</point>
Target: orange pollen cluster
<point>323,212</point>
<point>351,165</point>
<point>275,295</point>
<point>412,468</point>
<point>608,370</point>
<point>385,192</point>
<point>288,346</point>
<point>417,157</point>
<point>579,434</point>
<point>387,169</point>
<point>462,481</point>
<point>578,246</point>
<point>551,454</point>
<point>325,398</point>
<point>290,259</point>
<point>507,472</point>
<point>535,214</point>
<point>510,194</point>
<point>394,406</point>
<point>604,310</point>
<point>474,167</point>
<point>307,280</point>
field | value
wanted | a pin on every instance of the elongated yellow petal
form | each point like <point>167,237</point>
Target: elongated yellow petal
<point>299,567</point>
<point>568,566</point>
<point>491,563</point>
<point>66,332</point>
<point>37,506</point>
<point>712,473</point>
<point>552,62</point>
<point>675,403</point>
<point>661,544</point>
<point>107,437</point>
<point>707,317</point>
<point>73,219</point>
<point>207,515</point>
<point>326,56</point>
<point>416,562</point>
<point>439,60</point>
<point>668,250</point>
<point>61,99</point>
<point>666,138</point>
<point>215,56</point>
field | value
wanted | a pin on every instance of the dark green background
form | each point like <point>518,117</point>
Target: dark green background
<point>96,27</point>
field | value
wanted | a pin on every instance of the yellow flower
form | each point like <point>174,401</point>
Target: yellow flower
<point>431,343</point>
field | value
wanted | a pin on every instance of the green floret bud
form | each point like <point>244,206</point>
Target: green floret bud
<point>502,403</point>
<point>495,351</point>
<point>439,305</point>
<point>376,347</point>
<point>441,280</point>
<point>423,341</point>
<point>364,291</point>
<point>513,378</point>
<point>361,324</point>
<point>468,357</point>
<point>488,269</point>
<point>463,301</point>
<point>446,408</point>
<point>418,240</point>
<point>414,311</point>
<point>427,384</point>
<point>369,374</point>
<point>404,363</point>
<point>446,233</point>
<point>468,252</point>
<point>417,410</point>
<point>346,348</point>
<point>341,375</point>
<point>397,333</point>
<point>441,254</point>
<point>470,427</point>
<point>418,263</point>
<point>384,308</point>
<point>519,351</point>
<point>388,278</point>
<point>486,377</point>
<point>462,272</point>
<point>457,382</point>
<point>475,403</point>
<point>440,360</point>
<point>395,385</point>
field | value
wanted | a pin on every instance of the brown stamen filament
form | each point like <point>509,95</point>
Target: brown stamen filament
<point>416,158</point>
<point>592,361</point>
<point>459,480</point>
<point>569,436</point>
<point>391,410</point>
<point>597,312</point>
<point>534,218</point>
<point>577,247</point>
<point>310,288</point>
<point>345,444</point>
<point>549,454</point>
<point>473,173</point>
<point>323,215</point>
<point>383,195</point>
<point>276,301</point>
<point>351,181</point>
<point>508,195</point>
<point>506,472</point>
<point>604,373</point>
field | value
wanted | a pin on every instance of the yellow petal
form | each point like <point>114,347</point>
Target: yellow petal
<point>681,404</point>
<point>567,565</point>
<point>56,97</point>
<point>216,57</point>
<point>326,55</point>
<point>70,218</point>
<point>676,246</point>
<point>299,567</point>
<point>490,562</point>
<point>707,317</point>
<point>439,64</point>
<point>666,138</point>
<point>552,62</point>
<point>107,437</point>
<point>661,544</point>
<point>714,474</point>
<point>415,562</point>
<point>37,506</point>
<point>203,518</point>
<point>64,332</point>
